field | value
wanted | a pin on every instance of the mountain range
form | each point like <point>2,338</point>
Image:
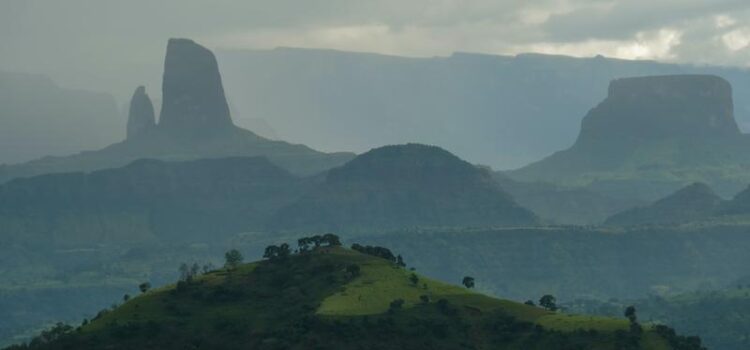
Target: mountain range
<point>39,118</point>
<point>502,111</point>
<point>194,122</point>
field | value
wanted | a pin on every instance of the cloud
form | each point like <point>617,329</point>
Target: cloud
<point>94,41</point>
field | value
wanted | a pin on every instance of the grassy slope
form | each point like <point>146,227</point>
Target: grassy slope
<point>307,302</point>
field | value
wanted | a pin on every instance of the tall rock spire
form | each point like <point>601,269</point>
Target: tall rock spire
<point>141,115</point>
<point>193,96</point>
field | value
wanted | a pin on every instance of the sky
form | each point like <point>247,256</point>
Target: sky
<point>106,43</point>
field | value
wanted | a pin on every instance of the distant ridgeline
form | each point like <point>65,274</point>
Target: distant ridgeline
<point>503,111</point>
<point>38,117</point>
<point>652,135</point>
<point>404,186</point>
<point>696,203</point>
<point>194,123</point>
<point>393,187</point>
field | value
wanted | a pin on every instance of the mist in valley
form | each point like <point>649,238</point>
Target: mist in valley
<point>335,174</point>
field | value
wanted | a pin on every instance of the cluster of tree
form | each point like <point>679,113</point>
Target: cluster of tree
<point>468,282</point>
<point>189,272</point>
<point>547,302</point>
<point>304,244</point>
<point>380,252</point>
<point>58,331</point>
<point>678,342</point>
<point>277,252</point>
<point>329,239</point>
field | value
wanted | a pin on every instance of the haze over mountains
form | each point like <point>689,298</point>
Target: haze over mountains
<point>40,118</point>
<point>652,135</point>
<point>192,182</point>
<point>503,111</point>
<point>194,123</point>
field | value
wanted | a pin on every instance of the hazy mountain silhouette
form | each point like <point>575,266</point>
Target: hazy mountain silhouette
<point>194,123</point>
<point>652,135</point>
<point>404,186</point>
<point>693,203</point>
<point>502,111</point>
<point>39,118</point>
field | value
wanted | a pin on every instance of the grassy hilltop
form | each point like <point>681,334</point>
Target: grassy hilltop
<point>337,298</point>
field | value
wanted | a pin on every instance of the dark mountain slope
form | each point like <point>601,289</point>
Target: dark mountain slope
<point>404,186</point>
<point>693,203</point>
<point>199,200</point>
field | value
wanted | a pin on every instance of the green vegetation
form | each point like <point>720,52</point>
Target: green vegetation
<point>721,317</point>
<point>313,300</point>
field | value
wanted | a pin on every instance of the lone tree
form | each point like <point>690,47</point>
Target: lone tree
<point>232,259</point>
<point>468,282</point>
<point>548,302</point>
<point>144,287</point>
<point>414,279</point>
<point>635,327</point>
<point>400,261</point>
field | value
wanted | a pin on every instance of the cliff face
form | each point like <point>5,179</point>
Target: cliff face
<point>141,119</point>
<point>194,123</point>
<point>661,107</point>
<point>651,136</point>
<point>193,96</point>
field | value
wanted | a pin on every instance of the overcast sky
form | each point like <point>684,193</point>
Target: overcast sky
<point>95,42</point>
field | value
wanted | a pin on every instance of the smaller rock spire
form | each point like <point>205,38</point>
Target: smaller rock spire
<point>141,116</point>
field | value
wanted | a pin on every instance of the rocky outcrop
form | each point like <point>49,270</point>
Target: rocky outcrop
<point>195,123</point>
<point>660,107</point>
<point>651,136</point>
<point>193,102</point>
<point>141,119</point>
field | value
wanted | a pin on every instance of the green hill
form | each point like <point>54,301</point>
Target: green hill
<point>335,298</point>
<point>404,186</point>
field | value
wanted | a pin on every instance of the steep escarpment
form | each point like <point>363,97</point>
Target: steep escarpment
<point>657,131</point>
<point>194,123</point>
<point>193,95</point>
<point>141,119</point>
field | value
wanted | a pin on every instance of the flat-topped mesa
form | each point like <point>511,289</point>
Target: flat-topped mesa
<point>193,96</point>
<point>662,107</point>
<point>141,119</point>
